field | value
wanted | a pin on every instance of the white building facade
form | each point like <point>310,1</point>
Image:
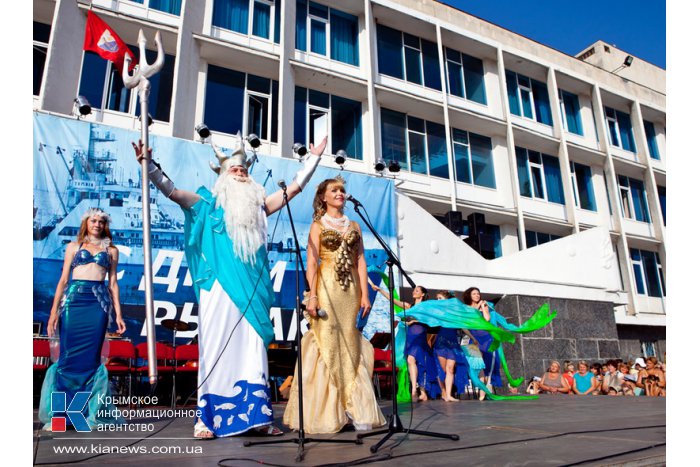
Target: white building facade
<point>508,142</point>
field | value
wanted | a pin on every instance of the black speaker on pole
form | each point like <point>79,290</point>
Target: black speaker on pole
<point>476,223</point>
<point>453,221</point>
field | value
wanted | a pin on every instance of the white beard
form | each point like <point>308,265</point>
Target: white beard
<point>243,201</point>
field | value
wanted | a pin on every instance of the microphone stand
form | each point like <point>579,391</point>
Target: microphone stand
<point>395,425</point>
<point>301,439</point>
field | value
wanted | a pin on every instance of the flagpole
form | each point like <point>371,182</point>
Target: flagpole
<point>140,79</point>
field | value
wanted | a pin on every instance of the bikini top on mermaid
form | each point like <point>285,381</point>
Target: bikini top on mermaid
<point>83,256</point>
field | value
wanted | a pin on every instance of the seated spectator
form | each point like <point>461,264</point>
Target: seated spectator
<point>652,388</point>
<point>584,382</point>
<point>629,381</point>
<point>533,387</point>
<point>639,364</point>
<point>597,370</point>
<point>568,374</point>
<point>613,378</point>
<point>655,386</point>
<point>553,382</point>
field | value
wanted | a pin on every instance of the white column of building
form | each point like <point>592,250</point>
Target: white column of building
<point>446,116</point>
<point>59,85</point>
<point>563,153</point>
<point>183,108</point>
<point>657,219</point>
<point>285,112</point>
<point>623,251</point>
<point>510,142</point>
<point>372,144</point>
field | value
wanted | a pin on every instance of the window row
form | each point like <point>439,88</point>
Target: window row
<point>420,146</point>
<point>648,273</point>
<point>252,17</point>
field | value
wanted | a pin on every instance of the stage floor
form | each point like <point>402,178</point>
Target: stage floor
<point>553,430</point>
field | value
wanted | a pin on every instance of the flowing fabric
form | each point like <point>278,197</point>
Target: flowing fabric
<point>234,325</point>
<point>337,361</point>
<point>454,314</point>
<point>82,322</point>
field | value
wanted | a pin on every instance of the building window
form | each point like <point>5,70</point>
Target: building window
<point>101,83</point>
<point>323,30</point>
<point>465,76</point>
<point>417,145</point>
<point>234,15</point>
<point>539,176</point>
<point>661,190</point>
<point>648,274</point>
<point>242,102</point>
<point>528,98</point>
<point>166,6</point>
<point>620,129</point>
<point>633,197</point>
<point>533,238</point>
<point>316,112</point>
<point>648,348</point>
<point>408,57</point>
<point>582,183</point>
<point>473,159</point>
<point>651,140</point>
<point>41,47</point>
<point>570,112</point>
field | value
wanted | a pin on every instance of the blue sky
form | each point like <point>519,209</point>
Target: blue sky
<point>635,26</point>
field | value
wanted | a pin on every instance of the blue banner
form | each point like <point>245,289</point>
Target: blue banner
<point>79,165</point>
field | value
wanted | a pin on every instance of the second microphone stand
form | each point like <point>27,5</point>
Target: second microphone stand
<point>395,425</point>
<point>301,439</point>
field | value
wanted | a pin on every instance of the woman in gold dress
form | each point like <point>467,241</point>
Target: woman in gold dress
<point>337,362</point>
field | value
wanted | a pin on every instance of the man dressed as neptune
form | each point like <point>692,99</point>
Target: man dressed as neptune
<point>225,246</point>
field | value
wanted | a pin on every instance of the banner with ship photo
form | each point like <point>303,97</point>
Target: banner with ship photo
<point>78,165</point>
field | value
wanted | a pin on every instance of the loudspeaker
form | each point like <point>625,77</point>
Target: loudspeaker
<point>453,221</point>
<point>476,223</point>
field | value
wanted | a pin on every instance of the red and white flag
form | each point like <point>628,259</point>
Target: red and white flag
<point>102,40</point>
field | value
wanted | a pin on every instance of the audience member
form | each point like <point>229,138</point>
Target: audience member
<point>584,381</point>
<point>553,382</point>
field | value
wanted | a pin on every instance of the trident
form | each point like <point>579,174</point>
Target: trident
<point>140,79</point>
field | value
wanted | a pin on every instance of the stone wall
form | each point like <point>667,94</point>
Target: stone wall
<point>582,330</point>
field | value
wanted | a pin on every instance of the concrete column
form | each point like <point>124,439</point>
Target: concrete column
<point>183,108</point>
<point>563,154</point>
<point>64,59</point>
<point>510,142</point>
<point>446,116</point>
<point>285,113</point>
<point>614,193</point>
<point>372,144</point>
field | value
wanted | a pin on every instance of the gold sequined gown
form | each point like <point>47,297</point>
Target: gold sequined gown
<point>337,361</point>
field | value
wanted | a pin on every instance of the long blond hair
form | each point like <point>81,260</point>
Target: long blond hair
<point>319,205</point>
<point>83,231</point>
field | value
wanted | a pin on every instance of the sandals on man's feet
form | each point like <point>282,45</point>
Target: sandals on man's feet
<point>202,432</point>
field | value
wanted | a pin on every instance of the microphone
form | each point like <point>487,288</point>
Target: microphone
<point>353,201</point>
<point>321,313</point>
<point>282,184</point>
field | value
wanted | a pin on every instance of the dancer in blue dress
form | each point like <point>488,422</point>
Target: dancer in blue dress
<point>449,353</point>
<point>492,374</point>
<point>81,311</point>
<point>422,370</point>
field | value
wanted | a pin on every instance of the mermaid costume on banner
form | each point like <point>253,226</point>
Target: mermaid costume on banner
<point>83,316</point>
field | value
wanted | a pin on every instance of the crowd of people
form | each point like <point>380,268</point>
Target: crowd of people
<point>615,377</point>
